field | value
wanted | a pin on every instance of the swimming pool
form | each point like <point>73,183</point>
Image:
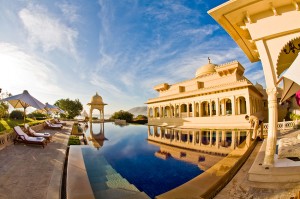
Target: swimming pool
<point>128,152</point>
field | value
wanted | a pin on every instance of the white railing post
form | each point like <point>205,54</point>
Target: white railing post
<point>283,124</point>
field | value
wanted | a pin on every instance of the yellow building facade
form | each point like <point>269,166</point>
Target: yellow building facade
<point>218,97</point>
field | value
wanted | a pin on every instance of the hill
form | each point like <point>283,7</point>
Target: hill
<point>140,110</point>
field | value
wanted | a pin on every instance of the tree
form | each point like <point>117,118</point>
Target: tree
<point>4,105</point>
<point>72,108</point>
<point>122,115</point>
<point>141,117</point>
<point>3,110</point>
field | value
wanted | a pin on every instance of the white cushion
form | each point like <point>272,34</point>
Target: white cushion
<point>42,134</point>
<point>35,139</point>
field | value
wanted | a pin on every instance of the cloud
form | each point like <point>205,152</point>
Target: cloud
<point>105,85</point>
<point>47,31</point>
<point>69,11</point>
<point>24,71</point>
<point>201,31</point>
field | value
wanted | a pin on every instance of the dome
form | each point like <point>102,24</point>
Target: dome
<point>96,99</point>
<point>206,69</point>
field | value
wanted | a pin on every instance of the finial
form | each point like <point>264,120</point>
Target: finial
<point>208,60</point>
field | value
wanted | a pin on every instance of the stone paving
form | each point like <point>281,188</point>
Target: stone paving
<point>241,187</point>
<point>29,171</point>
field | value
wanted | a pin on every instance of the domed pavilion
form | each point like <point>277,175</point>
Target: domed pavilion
<point>97,103</point>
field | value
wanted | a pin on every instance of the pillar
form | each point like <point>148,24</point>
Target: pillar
<point>217,107</point>
<point>233,140</point>
<point>210,108</point>
<point>233,105</point>
<point>238,106</point>
<point>210,138</point>
<point>272,129</point>
<point>91,113</point>
<point>200,109</point>
<point>217,139</point>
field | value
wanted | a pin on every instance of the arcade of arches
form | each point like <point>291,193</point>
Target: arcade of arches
<point>217,91</point>
<point>206,108</point>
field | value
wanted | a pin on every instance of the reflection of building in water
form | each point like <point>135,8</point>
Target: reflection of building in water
<point>97,139</point>
<point>203,160</point>
<point>219,96</point>
<point>218,142</point>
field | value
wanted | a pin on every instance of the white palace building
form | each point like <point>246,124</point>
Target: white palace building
<point>218,97</point>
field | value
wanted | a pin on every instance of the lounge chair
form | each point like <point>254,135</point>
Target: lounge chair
<point>53,126</point>
<point>32,133</point>
<point>57,121</point>
<point>24,138</point>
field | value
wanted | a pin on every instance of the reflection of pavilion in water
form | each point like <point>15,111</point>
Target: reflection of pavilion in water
<point>215,142</point>
<point>96,139</point>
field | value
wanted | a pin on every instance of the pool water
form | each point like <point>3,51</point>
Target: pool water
<point>127,151</point>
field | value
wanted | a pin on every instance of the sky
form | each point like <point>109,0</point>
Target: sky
<point>121,49</point>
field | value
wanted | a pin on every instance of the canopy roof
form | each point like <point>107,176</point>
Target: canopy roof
<point>291,80</point>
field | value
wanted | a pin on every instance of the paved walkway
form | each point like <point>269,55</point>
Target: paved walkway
<point>29,171</point>
<point>241,187</point>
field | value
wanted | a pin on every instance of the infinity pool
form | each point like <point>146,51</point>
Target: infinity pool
<point>126,149</point>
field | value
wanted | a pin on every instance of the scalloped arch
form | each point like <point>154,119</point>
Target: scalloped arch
<point>285,60</point>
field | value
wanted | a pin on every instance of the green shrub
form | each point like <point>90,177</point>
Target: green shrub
<point>122,115</point>
<point>74,140</point>
<point>294,116</point>
<point>16,114</point>
<point>36,115</point>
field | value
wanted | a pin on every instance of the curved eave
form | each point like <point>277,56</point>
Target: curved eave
<point>220,15</point>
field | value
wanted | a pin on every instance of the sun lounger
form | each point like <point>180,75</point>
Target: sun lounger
<point>24,138</point>
<point>53,126</point>
<point>32,133</point>
<point>57,121</point>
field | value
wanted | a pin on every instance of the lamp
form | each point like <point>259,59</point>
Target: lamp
<point>291,48</point>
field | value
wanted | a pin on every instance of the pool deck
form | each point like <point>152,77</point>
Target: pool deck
<point>29,171</point>
<point>33,172</point>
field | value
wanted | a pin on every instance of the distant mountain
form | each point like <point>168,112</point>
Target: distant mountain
<point>141,110</point>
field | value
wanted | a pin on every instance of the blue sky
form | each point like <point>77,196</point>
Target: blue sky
<point>118,48</point>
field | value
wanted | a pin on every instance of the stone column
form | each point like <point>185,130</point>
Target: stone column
<point>272,129</point>
<point>233,140</point>
<point>223,107</point>
<point>248,105</point>
<point>188,109</point>
<point>217,107</point>
<point>233,105</point>
<point>193,109</point>
<point>238,106</point>
<point>194,140</point>
<point>210,108</point>
<point>200,109</point>
<point>210,138</point>
<point>200,137</point>
<point>91,113</point>
<point>217,139</point>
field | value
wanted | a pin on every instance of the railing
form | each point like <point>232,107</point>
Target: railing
<point>283,125</point>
